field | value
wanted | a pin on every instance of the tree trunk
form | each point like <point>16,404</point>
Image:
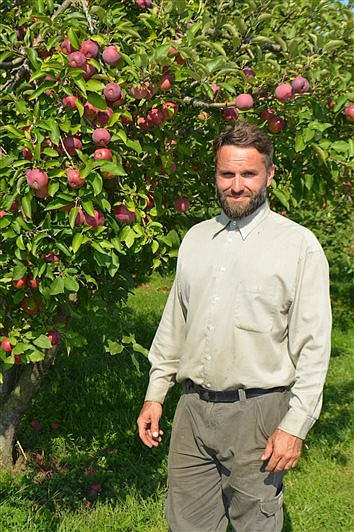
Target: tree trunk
<point>16,394</point>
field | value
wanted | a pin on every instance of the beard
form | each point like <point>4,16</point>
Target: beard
<point>235,210</point>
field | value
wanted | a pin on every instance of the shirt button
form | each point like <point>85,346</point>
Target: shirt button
<point>229,240</point>
<point>207,384</point>
<point>208,357</point>
<point>233,224</point>
<point>222,269</point>
<point>210,328</point>
<point>216,299</point>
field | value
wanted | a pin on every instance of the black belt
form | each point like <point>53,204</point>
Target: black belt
<point>228,396</point>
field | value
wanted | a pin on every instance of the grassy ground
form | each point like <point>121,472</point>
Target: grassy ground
<point>92,474</point>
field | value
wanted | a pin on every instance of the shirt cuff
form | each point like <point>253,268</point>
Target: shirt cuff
<point>296,424</point>
<point>157,392</point>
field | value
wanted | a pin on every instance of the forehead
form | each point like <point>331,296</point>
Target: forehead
<point>230,155</point>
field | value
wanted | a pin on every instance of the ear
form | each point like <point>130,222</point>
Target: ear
<point>270,174</point>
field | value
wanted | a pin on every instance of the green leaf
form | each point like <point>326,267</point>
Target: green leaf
<point>36,356</point>
<point>19,271</point>
<point>26,203</point>
<point>134,145</point>
<point>71,284</point>
<point>43,342</point>
<point>97,100</point>
<point>114,348</point>
<point>97,184</point>
<point>88,207</point>
<point>57,286</point>
<point>77,241</point>
<point>95,86</point>
<point>299,143</point>
<point>76,43</point>
<point>112,168</point>
<point>281,197</point>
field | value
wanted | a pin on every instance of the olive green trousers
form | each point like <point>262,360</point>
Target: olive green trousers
<point>215,472</point>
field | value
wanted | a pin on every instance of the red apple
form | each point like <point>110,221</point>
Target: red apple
<point>33,283</point>
<point>143,4</point>
<point>124,215</point>
<point>42,192</point>
<point>230,114</point>
<point>155,116</point>
<point>54,337</point>
<point>36,178</point>
<point>349,112</point>
<point>20,283</point>
<point>169,110</point>
<point>80,217</point>
<point>35,424</point>
<point>284,92</point>
<point>244,102</point>
<point>17,360</point>
<point>2,213</point>
<point>27,154</point>
<point>101,136</point>
<point>6,345</point>
<point>102,154</point>
<point>77,60</point>
<point>31,306</point>
<point>51,257</point>
<point>88,71</point>
<point>143,122</point>
<point>111,55</point>
<point>96,220</point>
<point>74,179</point>
<point>103,117</point>
<point>248,72</point>
<point>267,114</point>
<point>112,92</point>
<point>66,46</point>
<point>300,85</point>
<point>70,102</point>
<point>90,111</point>
<point>89,49</point>
<point>276,124</point>
<point>119,100</point>
<point>72,144</point>
<point>54,425</point>
<point>165,82</point>
<point>182,204</point>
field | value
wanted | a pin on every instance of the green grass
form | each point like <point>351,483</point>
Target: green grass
<point>96,398</point>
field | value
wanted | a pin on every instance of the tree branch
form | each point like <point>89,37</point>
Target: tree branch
<point>84,4</point>
<point>202,103</point>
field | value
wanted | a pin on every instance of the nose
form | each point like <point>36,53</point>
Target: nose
<point>237,184</point>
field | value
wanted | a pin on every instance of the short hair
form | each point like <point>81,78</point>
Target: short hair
<point>247,135</point>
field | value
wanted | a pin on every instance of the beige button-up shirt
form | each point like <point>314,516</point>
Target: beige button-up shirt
<point>249,308</point>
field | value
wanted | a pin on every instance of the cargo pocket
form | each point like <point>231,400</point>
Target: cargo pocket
<point>271,514</point>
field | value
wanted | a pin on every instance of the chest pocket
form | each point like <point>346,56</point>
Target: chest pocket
<point>255,307</point>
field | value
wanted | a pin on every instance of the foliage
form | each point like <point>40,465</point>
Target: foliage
<point>95,441</point>
<point>181,64</point>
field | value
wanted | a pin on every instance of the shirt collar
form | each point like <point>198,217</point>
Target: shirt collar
<point>244,225</point>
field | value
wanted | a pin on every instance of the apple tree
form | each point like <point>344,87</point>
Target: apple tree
<point>108,114</point>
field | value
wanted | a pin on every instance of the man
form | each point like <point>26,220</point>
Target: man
<point>246,328</point>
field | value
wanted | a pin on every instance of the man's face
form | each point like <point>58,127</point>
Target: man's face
<point>241,180</point>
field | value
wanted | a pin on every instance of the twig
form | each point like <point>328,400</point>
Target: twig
<point>22,451</point>
<point>9,64</point>
<point>202,103</point>
<point>84,4</point>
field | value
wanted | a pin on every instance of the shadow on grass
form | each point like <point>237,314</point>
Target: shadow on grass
<point>96,398</point>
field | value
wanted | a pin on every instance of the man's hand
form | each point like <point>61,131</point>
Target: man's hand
<point>148,423</point>
<point>283,451</point>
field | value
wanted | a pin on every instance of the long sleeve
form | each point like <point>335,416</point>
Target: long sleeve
<point>165,350</point>
<point>309,336</point>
